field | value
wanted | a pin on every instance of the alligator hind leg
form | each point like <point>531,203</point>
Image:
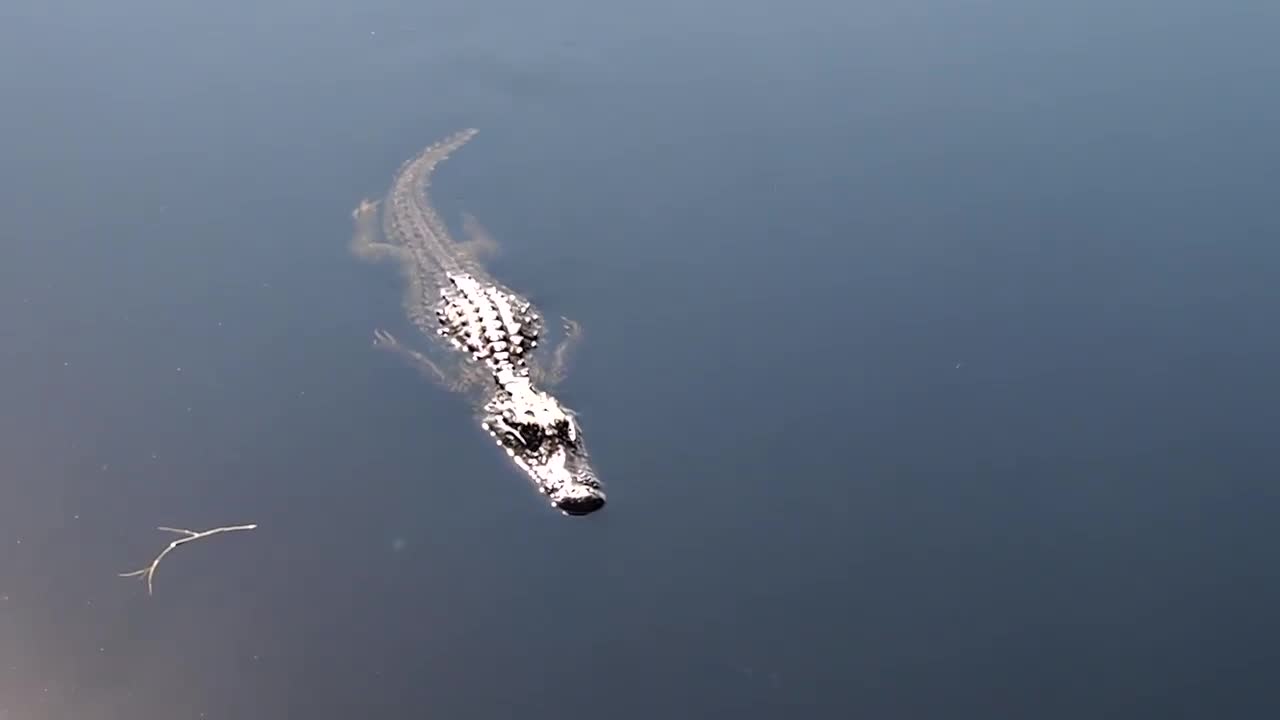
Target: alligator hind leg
<point>479,243</point>
<point>373,250</point>
<point>364,243</point>
<point>387,341</point>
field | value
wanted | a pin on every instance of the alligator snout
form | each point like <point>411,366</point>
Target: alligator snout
<point>580,505</point>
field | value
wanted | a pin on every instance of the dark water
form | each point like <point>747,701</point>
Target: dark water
<point>930,360</point>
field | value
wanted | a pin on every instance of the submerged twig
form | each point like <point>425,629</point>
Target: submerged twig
<point>190,535</point>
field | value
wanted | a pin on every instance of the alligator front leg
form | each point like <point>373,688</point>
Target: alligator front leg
<point>558,369</point>
<point>386,341</point>
<point>472,375</point>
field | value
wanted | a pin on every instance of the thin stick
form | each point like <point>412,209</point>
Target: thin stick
<point>190,535</point>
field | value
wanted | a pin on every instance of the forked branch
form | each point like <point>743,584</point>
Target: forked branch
<point>188,536</point>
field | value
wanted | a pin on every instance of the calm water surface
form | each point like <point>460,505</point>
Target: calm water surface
<point>930,360</point>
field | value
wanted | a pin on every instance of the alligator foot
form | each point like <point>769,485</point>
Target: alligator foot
<point>387,341</point>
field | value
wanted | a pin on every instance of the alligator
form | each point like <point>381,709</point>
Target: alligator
<point>493,330</point>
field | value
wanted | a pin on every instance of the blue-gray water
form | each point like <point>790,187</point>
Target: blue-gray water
<point>930,360</point>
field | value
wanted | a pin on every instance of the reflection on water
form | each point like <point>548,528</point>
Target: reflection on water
<point>925,353</point>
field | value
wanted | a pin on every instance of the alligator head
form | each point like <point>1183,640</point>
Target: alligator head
<point>546,443</point>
